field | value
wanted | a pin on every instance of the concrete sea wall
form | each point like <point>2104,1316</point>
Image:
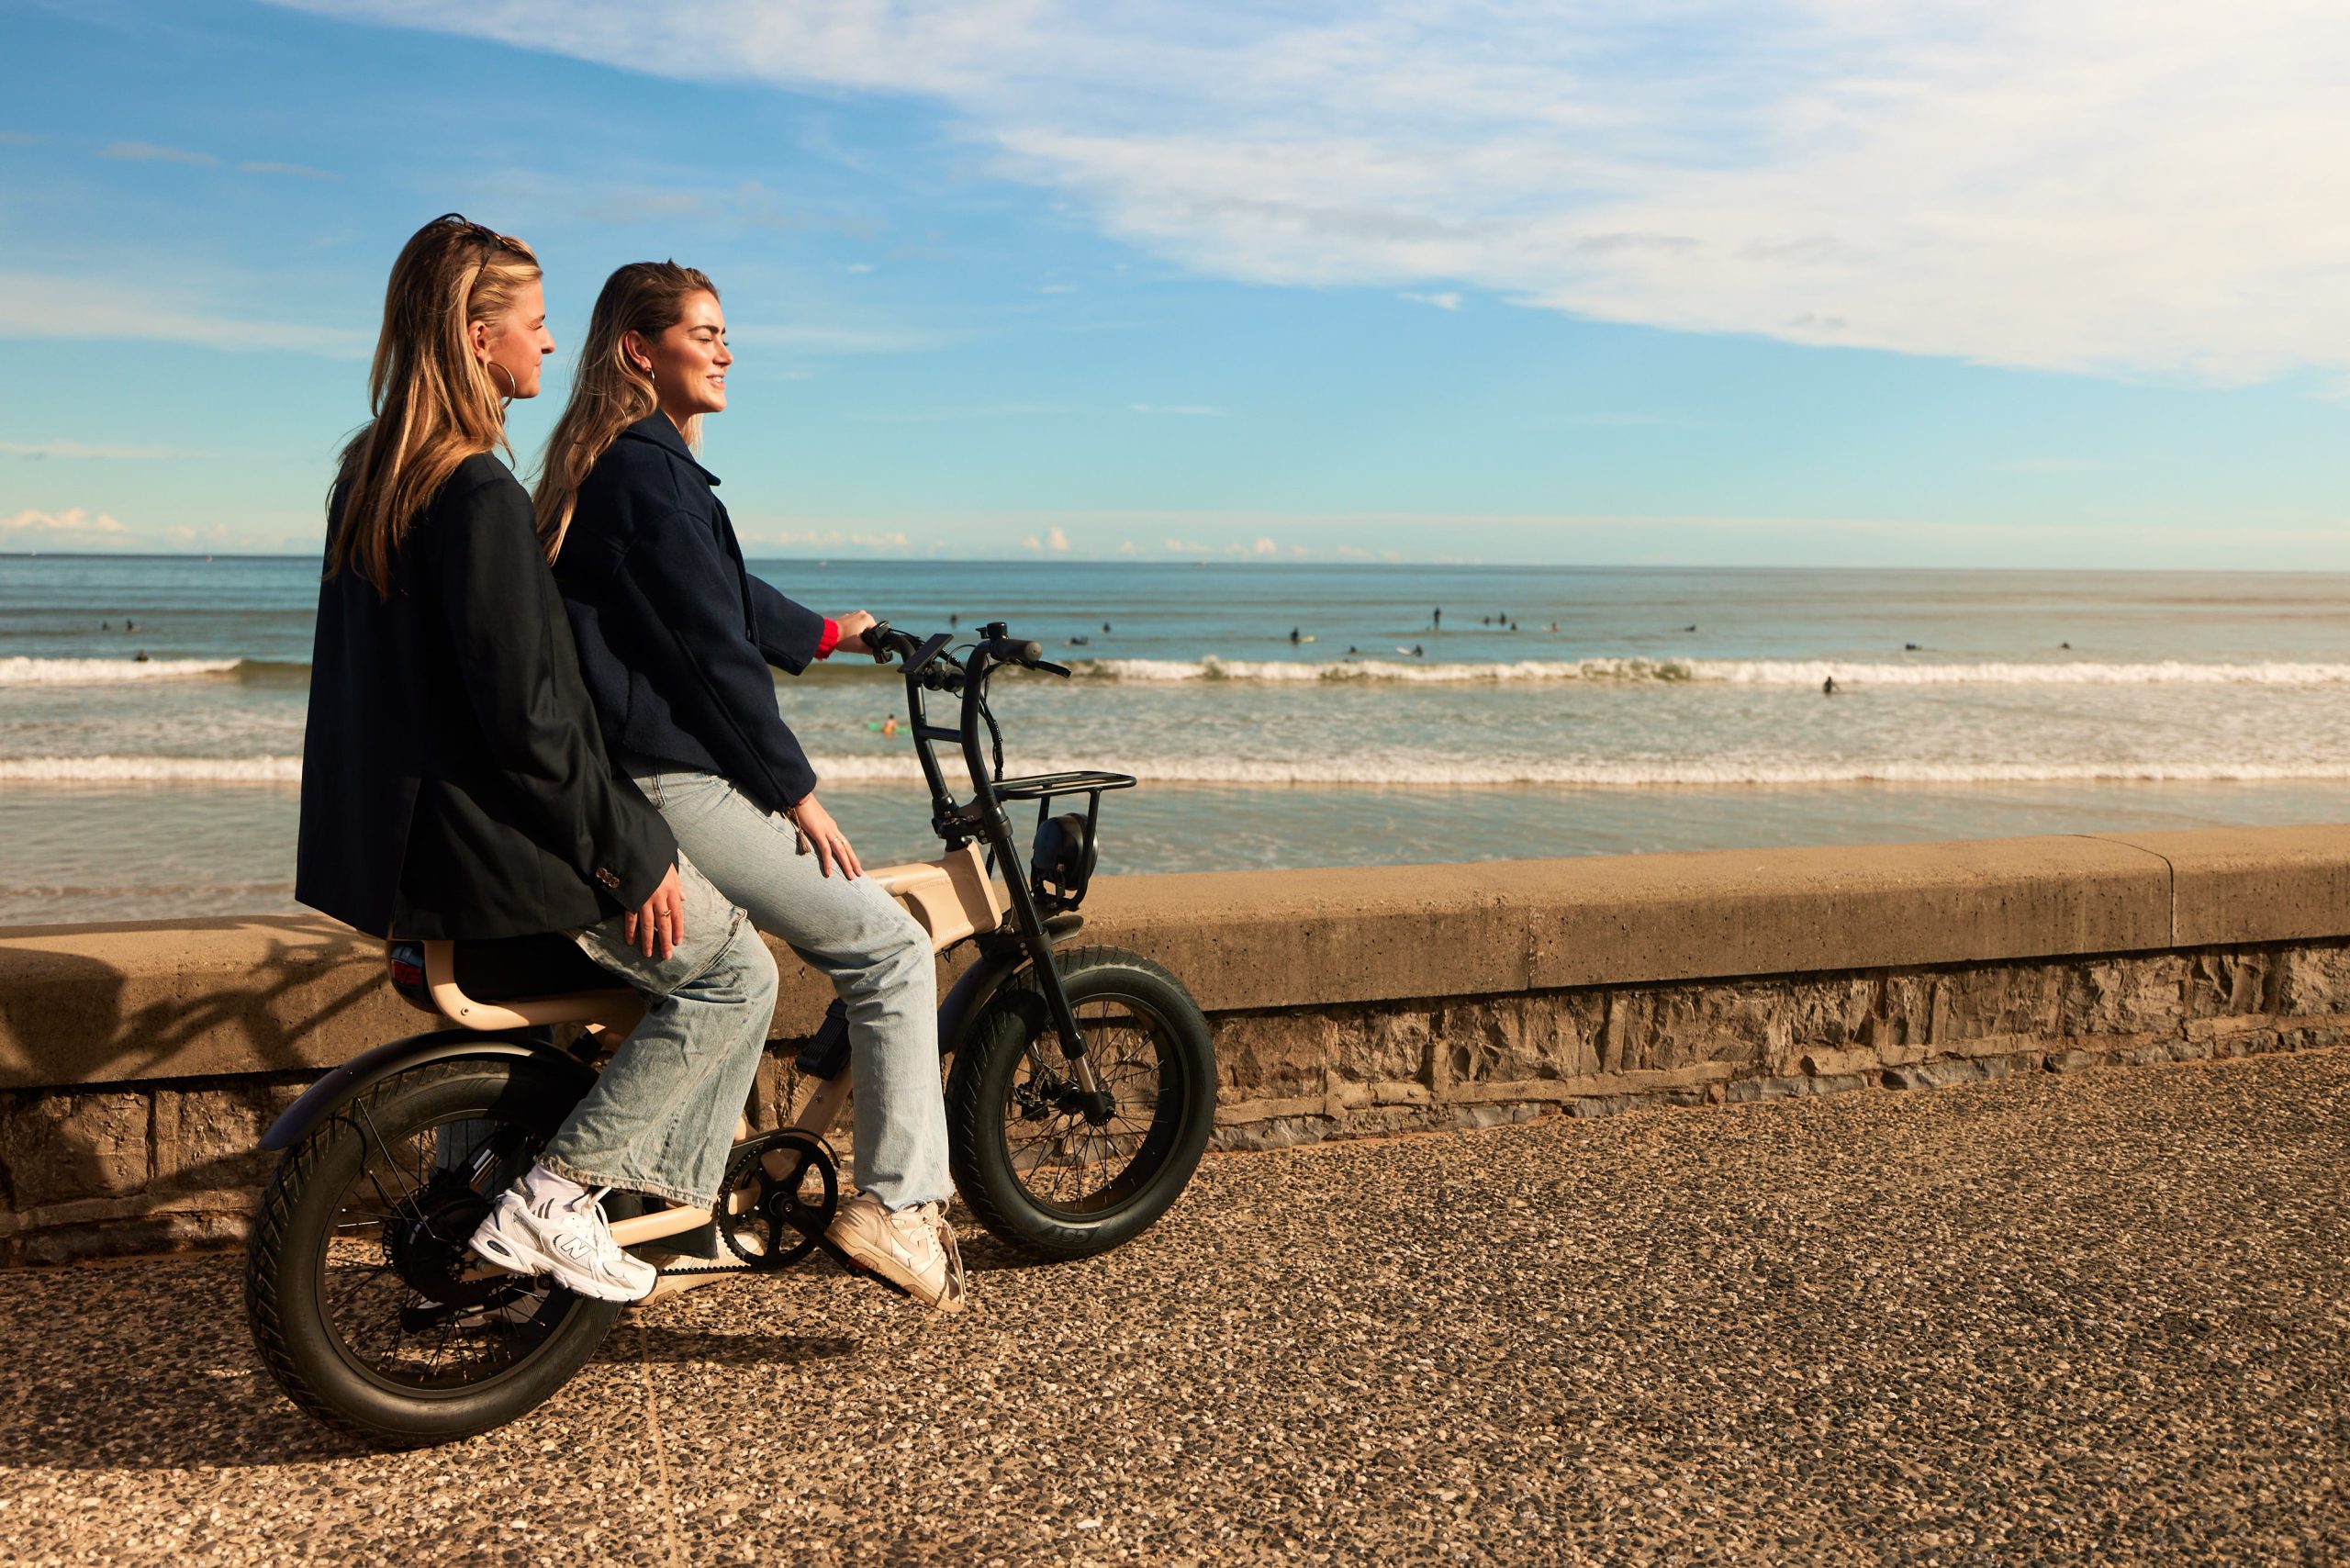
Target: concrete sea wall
<point>140,1062</point>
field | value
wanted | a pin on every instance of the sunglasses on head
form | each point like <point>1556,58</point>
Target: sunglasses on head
<point>481,231</point>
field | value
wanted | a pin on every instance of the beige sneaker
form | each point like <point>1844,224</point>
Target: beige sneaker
<point>913,1248</point>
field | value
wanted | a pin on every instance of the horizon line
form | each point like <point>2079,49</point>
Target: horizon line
<point>1262,563</point>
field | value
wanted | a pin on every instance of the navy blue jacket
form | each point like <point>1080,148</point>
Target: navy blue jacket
<point>454,784</point>
<point>674,634</point>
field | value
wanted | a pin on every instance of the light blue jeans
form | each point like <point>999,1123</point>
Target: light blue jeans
<point>876,956</point>
<point>662,1115</point>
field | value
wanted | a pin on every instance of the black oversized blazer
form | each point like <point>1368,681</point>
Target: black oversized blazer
<point>454,783</point>
<point>674,634</point>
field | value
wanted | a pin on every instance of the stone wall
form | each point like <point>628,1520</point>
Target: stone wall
<point>1300,1074</point>
<point>140,1063</point>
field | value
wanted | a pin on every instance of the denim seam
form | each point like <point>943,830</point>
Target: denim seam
<point>733,930</point>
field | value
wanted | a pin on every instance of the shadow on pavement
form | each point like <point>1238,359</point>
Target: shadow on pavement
<point>141,1366</point>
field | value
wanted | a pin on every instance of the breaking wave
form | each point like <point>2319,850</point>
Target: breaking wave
<point>1454,771</point>
<point>1406,771</point>
<point>151,770</point>
<point>21,671</point>
<point>1729,672</point>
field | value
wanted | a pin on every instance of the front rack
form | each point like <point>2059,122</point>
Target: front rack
<point>1045,786</point>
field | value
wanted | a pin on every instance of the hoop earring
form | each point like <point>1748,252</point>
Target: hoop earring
<point>512,386</point>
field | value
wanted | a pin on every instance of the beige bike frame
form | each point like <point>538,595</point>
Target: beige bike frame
<point>951,898</point>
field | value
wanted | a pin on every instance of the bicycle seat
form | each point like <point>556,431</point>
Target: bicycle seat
<point>519,968</point>
<point>509,982</point>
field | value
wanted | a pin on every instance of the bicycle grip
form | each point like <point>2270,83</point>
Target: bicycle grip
<point>1009,651</point>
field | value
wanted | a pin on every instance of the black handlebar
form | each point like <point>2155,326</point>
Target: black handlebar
<point>1012,650</point>
<point>888,642</point>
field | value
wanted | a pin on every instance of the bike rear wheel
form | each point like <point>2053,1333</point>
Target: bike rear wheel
<point>366,1307</point>
<point>1047,1171</point>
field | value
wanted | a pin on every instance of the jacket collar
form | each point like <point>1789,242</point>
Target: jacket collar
<point>656,428</point>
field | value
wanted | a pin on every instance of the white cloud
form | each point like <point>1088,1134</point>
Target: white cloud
<point>297,170</point>
<point>2100,184</point>
<point>1447,300</point>
<point>76,521</point>
<point>34,305</point>
<point>1054,540</point>
<point>894,541</point>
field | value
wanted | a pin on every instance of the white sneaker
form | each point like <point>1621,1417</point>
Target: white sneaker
<point>568,1241</point>
<point>913,1248</point>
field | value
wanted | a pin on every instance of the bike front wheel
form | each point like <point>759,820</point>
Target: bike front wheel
<point>1057,1172</point>
<point>367,1308</point>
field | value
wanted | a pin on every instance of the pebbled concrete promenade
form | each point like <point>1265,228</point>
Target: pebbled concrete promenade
<point>2096,1318</point>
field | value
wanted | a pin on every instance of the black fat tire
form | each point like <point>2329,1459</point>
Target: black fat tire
<point>986,1067</point>
<point>283,1263</point>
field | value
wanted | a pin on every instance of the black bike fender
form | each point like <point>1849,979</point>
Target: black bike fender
<point>969,998</point>
<point>368,1068</point>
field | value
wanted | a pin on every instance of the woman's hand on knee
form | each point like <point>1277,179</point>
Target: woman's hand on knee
<point>819,832</point>
<point>661,922</point>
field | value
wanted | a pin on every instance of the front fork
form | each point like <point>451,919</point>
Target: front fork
<point>1038,944</point>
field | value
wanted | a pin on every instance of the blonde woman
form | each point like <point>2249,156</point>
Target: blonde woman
<point>454,783</point>
<point>676,638</point>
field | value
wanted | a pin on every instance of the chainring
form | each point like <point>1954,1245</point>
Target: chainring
<point>783,1220</point>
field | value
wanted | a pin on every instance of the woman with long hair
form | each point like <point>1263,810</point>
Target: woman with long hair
<point>454,779</point>
<point>676,638</point>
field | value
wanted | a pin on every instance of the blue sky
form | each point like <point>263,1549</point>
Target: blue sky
<point>1767,282</point>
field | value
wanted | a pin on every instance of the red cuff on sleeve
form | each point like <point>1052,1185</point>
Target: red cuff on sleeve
<point>830,640</point>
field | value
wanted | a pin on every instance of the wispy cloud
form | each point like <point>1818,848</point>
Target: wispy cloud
<point>77,522</point>
<point>35,304</point>
<point>2097,185</point>
<point>889,541</point>
<point>78,449</point>
<point>155,153</point>
<point>297,170</point>
<point>1188,410</point>
<point>1447,300</point>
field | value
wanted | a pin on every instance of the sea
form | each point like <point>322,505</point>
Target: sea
<point>1290,714</point>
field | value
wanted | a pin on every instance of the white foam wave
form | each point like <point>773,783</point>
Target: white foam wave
<point>1733,672</point>
<point>1404,771</point>
<point>1443,772</point>
<point>17,671</point>
<point>151,770</point>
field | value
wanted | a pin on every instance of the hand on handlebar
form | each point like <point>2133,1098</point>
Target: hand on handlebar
<point>854,625</point>
<point>661,922</point>
<point>819,832</point>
